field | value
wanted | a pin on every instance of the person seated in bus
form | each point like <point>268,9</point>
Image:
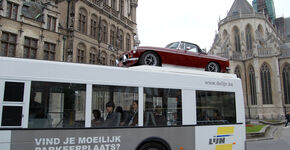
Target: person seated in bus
<point>217,117</point>
<point>134,114</point>
<point>124,116</point>
<point>203,117</point>
<point>98,120</point>
<point>113,118</point>
<point>159,117</point>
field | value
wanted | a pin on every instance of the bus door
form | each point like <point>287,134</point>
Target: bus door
<point>14,103</point>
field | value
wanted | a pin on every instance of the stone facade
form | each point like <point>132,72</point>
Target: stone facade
<point>258,55</point>
<point>20,20</point>
<point>97,31</point>
<point>80,31</point>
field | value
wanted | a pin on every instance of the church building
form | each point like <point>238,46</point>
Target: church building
<point>259,56</point>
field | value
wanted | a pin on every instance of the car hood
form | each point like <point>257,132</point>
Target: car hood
<point>174,50</point>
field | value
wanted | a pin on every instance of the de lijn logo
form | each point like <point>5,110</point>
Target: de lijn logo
<point>220,139</point>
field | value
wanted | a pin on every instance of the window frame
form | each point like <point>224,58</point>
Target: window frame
<point>30,48</point>
<point>81,53</point>
<point>10,11</point>
<point>49,51</point>
<point>206,91</point>
<point>82,20</point>
<point>51,23</point>
<point>9,43</point>
<point>94,27</point>
<point>266,85</point>
<point>252,82</point>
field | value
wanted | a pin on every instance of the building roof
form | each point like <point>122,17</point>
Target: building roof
<point>240,6</point>
<point>33,10</point>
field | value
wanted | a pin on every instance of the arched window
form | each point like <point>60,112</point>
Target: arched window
<point>121,40</point>
<point>81,53</point>
<point>113,60</point>
<point>253,85</point>
<point>128,42</point>
<point>94,26</point>
<point>82,27</point>
<point>238,72</point>
<point>103,58</point>
<point>237,39</point>
<point>286,83</point>
<point>93,56</point>
<point>249,37</point>
<point>104,32</point>
<point>266,84</point>
<point>113,36</point>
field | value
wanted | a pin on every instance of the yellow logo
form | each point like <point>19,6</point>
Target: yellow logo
<point>220,139</point>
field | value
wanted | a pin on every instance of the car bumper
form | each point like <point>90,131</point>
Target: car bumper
<point>125,61</point>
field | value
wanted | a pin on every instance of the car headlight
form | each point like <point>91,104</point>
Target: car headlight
<point>135,49</point>
<point>124,58</point>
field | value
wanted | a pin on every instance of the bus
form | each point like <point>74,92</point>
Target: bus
<point>48,105</point>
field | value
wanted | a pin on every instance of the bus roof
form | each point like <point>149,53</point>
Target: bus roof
<point>53,71</point>
<point>187,71</point>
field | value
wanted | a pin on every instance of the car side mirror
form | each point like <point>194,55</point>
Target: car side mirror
<point>203,51</point>
<point>188,48</point>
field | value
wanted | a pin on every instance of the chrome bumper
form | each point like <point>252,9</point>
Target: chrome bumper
<point>124,59</point>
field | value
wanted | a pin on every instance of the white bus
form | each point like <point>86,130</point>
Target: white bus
<point>47,105</point>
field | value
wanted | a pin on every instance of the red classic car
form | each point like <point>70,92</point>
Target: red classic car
<point>176,53</point>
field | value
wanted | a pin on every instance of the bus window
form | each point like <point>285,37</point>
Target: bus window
<point>11,116</point>
<point>162,107</point>
<point>215,107</point>
<point>14,92</point>
<point>114,106</point>
<point>57,105</point>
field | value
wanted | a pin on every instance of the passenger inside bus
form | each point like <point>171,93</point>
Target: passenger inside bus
<point>125,116</point>
<point>113,118</point>
<point>98,121</point>
<point>134,114</point>
<point>159,117</point>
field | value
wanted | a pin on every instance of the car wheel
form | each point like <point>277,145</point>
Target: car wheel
<point>150,58</point>
<point>212,67</point>
<point>152,146</point>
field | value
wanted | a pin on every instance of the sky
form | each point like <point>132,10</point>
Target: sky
<point>160,22</point>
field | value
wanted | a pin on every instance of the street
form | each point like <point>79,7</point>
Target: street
<point>281,141</point>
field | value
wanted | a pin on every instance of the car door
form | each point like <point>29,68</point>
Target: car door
<point>193,58</point>
<point>170,55</point>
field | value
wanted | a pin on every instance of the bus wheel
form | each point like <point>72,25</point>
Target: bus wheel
<point>152,146</point>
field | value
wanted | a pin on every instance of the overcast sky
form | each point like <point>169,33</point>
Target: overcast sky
<point>160,22</point>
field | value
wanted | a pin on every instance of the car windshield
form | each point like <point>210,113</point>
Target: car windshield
<point>173,45</point>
